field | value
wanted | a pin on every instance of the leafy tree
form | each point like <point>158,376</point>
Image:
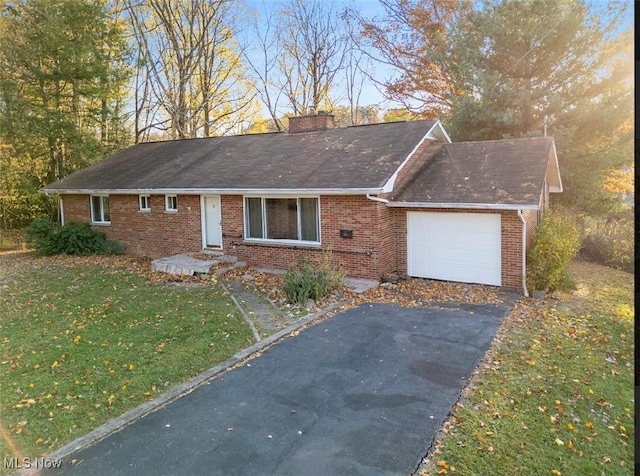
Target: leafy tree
<point>62,73</point>
<point>400,114</point>
<point>511,68</point>
<point>412,39</point>
<point>556,243</point>
<point>555,67</point>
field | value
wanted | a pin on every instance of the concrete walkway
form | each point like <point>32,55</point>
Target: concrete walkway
<point>266,317</point>
<point>263,315</point>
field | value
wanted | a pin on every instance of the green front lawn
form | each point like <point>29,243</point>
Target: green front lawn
<point>556,395</point>
<point>86,339</point>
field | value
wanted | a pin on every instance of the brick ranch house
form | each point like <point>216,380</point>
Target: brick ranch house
<point>385,198</point>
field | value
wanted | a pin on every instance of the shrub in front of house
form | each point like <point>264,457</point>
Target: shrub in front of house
<point>557,242</point>
<point>41,235</point>
<point>312,281</point>
<point>70,239</point>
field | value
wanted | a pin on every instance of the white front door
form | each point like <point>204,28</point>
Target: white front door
<point>212,222</point>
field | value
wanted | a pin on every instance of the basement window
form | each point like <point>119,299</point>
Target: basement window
<point>100,213</point>
<point>282,219</point>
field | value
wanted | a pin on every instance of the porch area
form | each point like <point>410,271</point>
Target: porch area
<point>192,264</point>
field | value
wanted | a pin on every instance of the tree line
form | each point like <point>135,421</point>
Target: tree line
<point>82,79</point>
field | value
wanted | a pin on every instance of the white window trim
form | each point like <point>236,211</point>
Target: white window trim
<point>148,207</point>
<point>166,203</point>
<point>102,221</point>
<point>264,221</point>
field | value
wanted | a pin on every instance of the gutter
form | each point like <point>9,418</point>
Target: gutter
<point>524,254</point>
<point>229,191</point>
<point>377,199</point>
<point>478,206</point>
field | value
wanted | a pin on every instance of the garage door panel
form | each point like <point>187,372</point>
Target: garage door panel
<point>462,247</point>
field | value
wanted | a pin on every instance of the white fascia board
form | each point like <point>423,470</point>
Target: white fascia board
<point>438,132</point>
<point>555,185</point>
<point>435,133</point>
<point>478,206</point>
<point>226,191</point>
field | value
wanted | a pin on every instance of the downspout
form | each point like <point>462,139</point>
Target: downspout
<point>377,199</point>
<point>61,211</point>
<point>524,254</point>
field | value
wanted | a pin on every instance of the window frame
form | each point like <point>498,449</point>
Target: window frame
<point>103,219</point>
<point>167,199</point>
<point>264,222</point>
<point>146,198</point>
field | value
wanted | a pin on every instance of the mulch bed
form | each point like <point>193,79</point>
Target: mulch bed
<point>411,292</point>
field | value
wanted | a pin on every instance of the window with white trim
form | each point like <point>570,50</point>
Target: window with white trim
<point>145,203</point>
<point>171,203</point>
<point>290,219</point>
<point>100,209</point>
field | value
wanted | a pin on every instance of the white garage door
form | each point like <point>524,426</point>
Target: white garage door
<point>461,247</point>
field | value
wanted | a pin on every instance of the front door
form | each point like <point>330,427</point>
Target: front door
<point>212,225</point>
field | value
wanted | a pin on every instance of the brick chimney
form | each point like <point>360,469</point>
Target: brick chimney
<point>311,122</point>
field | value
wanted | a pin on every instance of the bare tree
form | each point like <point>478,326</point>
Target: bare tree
<point>297,57</point>
<point>313,41</point>
<point>193,82</point>
<point>263,64</point>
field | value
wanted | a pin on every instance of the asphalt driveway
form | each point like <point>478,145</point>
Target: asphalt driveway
<point>363,392</point>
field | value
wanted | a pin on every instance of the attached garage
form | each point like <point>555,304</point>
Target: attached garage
<point>464,247</point>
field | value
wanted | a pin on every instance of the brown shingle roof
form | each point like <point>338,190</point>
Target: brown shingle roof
<point>361,157</point>
<point>507,172</point>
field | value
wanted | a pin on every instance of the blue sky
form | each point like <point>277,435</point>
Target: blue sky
<point>368,9</point>
<point>373,8</point>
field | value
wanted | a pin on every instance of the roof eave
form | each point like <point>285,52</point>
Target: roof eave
<point>478,206</point>
<point>204,191</point>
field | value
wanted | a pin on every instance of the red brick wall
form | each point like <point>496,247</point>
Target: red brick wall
<point>511,242</point>
<point>511,250</point>
<point>154,234</point>
<point>76,208</point>
<point>364,255</point>
<point>378,246</point>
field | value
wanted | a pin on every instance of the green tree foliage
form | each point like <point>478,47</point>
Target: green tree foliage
<point>498,69</point>
<point>412,38</point>
<point>559,66</point>
<point>62,73</point>
<point>557,242</point>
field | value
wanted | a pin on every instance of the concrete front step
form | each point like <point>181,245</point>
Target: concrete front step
<point>183,264</point>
